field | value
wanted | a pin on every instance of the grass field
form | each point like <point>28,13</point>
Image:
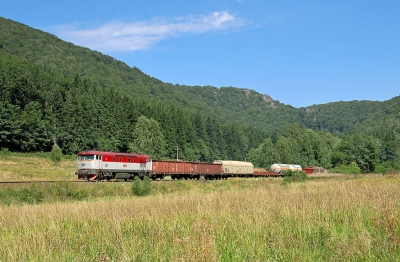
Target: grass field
<point>34,168</point>
<point>345,218</point>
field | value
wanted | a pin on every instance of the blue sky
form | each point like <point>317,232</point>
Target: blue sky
<point>298,52</point>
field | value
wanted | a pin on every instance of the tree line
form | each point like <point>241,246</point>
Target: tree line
<point>41,107</point>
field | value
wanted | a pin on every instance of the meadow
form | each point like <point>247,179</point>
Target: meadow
<point>35,167</point>
<point>344,218</point>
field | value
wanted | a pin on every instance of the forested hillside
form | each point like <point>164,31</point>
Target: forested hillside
<point>40,106</point>
<point>340,117</point>
<point>55,92</point>
<point>228,104</point>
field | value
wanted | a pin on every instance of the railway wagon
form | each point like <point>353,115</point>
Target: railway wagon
<point>100,165</point>
<point>265,173</point>
<point>185,170</point>
<point>209,170</point>
<point>308,170</point>
<point>283,167</point>
<point>236,168</point>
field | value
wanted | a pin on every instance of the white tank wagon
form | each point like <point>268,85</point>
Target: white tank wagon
<point>236,168</point>
<point>283,167</point>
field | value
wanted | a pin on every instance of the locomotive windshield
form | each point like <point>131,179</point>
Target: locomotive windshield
<point>86,157</point>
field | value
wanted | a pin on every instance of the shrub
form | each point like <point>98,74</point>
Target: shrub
<point>294,176</point>
<point>352,168</point>
<point>141,187</point>
<point>387,167</point>
<point>56,154</point>
<point>5,152</point>
<point>65,191</point>
<point>30,195</point>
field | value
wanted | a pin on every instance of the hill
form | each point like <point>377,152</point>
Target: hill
<point>228,104</point>
<point>53,92</point>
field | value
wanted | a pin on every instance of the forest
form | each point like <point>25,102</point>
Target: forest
<point>41,107</point>
<point>48,99</point>
<point>227,104</point>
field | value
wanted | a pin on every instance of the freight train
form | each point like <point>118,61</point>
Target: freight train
<point>102,165</point>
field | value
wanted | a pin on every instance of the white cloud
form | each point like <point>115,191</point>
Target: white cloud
<point>127,37</point>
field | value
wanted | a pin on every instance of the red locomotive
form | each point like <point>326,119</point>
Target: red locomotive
<point>99,165</point>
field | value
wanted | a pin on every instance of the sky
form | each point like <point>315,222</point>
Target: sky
<point>298,52</point>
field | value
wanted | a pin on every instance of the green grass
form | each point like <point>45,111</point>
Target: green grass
<point>65,191</point>
<point>36,167</point>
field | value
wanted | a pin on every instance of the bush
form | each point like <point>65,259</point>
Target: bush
<point>387,167</point>
<point>56,154</point>
<point>31,195</point>
<point>294,176</point>
<point>65,191</point>
<point>351,169</point>
<point>141,187</point>
<point>5,152</point>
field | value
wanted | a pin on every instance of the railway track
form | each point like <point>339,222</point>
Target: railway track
<point>32,182</point>
<point>103,181</point>
<point>77,181</point>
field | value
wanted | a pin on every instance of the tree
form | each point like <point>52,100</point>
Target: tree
<point>265,155</point>
<point>288,150</point>
<point>34,136</point>
<point>328,143</point>
<point>268,153</point>
<point>360,149</point>
<point>148,138</point>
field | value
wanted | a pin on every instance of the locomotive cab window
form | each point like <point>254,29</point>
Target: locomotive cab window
<point>86,157</point>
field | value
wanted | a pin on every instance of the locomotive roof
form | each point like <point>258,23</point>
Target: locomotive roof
<point>95,152</point>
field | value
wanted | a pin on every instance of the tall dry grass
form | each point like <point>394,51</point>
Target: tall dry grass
<point>333,220</point>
